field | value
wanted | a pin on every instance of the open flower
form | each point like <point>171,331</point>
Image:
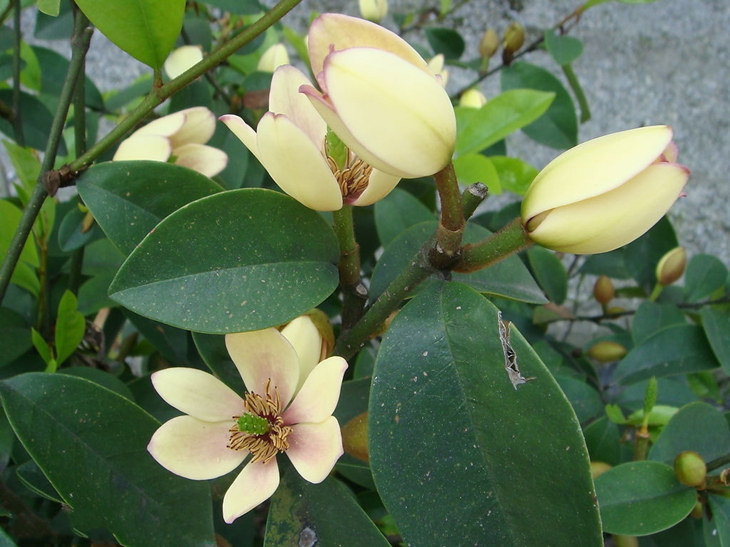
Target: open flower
<point>606,192</point>
<point>178,137</point>
<point>290,144</point>
<point>380,97</point>
<point>288,408</point>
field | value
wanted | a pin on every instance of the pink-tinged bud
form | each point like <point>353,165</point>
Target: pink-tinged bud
<point>603,290</point>
<point>690,469</point>
<point>671,266</point>
<point>604,193</point>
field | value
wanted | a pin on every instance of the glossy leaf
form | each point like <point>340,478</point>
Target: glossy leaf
<point>146,29</point>
<point>71,234</point>
<point>472,168</point>
<point>396,212</point>
<point>651,317</point>
<point>99,464</point>
<point>604,441</point>
<point>558,127</point>
<point>549,272</point>
<point>678,349</point>
<point>54,67</point>
<point>24,274</point>
<point>508,278</point>
<point>14,336</point>
<point>705,274</point>
<point>515,175</point>
<point>36,120</point>
<point>323,514</point>
<point>641,498</point>
<point>448,429</point>
<point>212,349</point>
<point>642,255</point>
<point>683,432</point>
<point>446,41</point>
<point>717,329</point>
<point>70,327</point>
<point>719,527</point>
<point>129,198</point>
<point>238,260</point>
<point>502,115</point>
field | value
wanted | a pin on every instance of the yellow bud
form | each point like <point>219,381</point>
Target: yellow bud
<point>625,541</point>
<point>607,351</point>
<point>273,58</point>
<point>690,469</point>
<point>599,468</point>
<point>373,10</point>
<point>513,39</point>
<point>355,437</point>
<point>472,98</point>
<point>489,44</point>
<point>603,290</point>
<point>697,510</point>
<point>671,266</point>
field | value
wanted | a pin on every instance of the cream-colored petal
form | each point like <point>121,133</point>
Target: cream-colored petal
<point>264,355</point>
<point>198,128</point>
<point>615,218</point>
<point>319,395</point>
<point>306,340</point>
<point>274,57</point>
<point>342,32</point>
<point>182,59</point>
<point>595,167</point>
<point>202,158</point>
<point>194,449</point>
<point>402,118</point>
<point>243,131</point>
<point>166,126</point>
<point>144,147</point>
<point>197,393</point>
<point>296,164</point>
<point>380,185</point>
<point>285,98</point>
<point>256,483</point>
<point>315,448</point>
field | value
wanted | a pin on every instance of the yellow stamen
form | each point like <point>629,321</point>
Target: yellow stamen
<point>353,179</point>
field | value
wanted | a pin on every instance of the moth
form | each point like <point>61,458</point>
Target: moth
<point>510,357</point>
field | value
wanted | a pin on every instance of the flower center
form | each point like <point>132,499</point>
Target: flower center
<point>353,178</point>
<point>260,428</point>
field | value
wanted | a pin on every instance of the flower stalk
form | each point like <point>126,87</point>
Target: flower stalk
<point>510,239</point>
<point>451,227</point>
<point>354,292</point>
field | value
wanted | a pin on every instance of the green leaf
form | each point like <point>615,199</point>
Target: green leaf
<point>705,274</point>
<point>678,349</point>
<point>43,349</point>
<point>129,198</point>
<point>53,69</point>
<point>50,7</point>
<point>563,49</point>
<point>396,212</point>
<point>212,349</point>
<point>642,255</point>
<point>558,127</point>
<point>604,441</point>
<point>323,514</point>
<point>584,399</point>
<point>146,29</point>
<point>472,168</point>
<point>36,120</point>
<point>24,274</point>
<point>515,175</point>
<point>683,432</point>
<point>15,336</point>
<point>719,526</point>
<point>234,261</point>
<point>70,327</point>
<point>446,41</point>
<point>91,444</point>
<point>549,272</point>
<point>70,232</point>
<point>508,278</point>
<point>642,498</point>
<point>448,430</point>
<point>502,115</point>
<point>651,317</point>
<point>717,329</point>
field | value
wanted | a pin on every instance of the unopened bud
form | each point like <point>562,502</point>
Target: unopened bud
<point>373,10</point>
<point>607,351</point>
<point>671,266</point>
<point>489,44</point>
<point>472,98</point>
<point>603,290</point>
<point>696,511</point>
<point>436,64</point>
<point>273,58</point>
<point>355,437</point>
<point>690,468</point>
<point>513,39</point>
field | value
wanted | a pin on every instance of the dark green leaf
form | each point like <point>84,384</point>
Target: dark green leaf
<point>678,349</point>
<point>508,278</point>
<point>705,274</point>
<point>36,120</point>
<point>34,479</point>
<point>14,336</point>
<point>651,317</point>
<point>563,49</point>
<point>323,514</point>
<point>54,67</point>
<point>212,349</point>
<point>643,254</point>
<point>719,527</point>
<point>238,260</point>
<point>549,272</point>
<point>604,441</point>
<point>70,233</point>
<point>717,329</point>
<point>446,41</point>
<point>502,115</point>
<point>146,29</point>
<point>91,444</point>
<point>70,327</point>
<point>54,28</point>
<point>558,127</point>
<point>611,264</point>
<point>584,399</point>
<point>641,498</point>
<point>129,198</point>
<point>447,429</point>
<point>698,427</point>
<point>98,376</point>
<point>396,212</point>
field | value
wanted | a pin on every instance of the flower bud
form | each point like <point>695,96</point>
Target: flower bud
<point>599,468</point>
<point>436,64</point>
<point>603,290</point>
<point>489,44</point>
<point>697,510</point>
<point>690,468</point>
<point>604,193</point>
<point>606,351</point>
<point>273,58</point>
<point>355,437</point>
<point>182,59</point>
<point>472,98</point>
<point>513,39</point>
<point>671,266</point>
<point>373,10</point>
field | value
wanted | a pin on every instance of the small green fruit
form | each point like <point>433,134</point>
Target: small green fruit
<point>690,469</point>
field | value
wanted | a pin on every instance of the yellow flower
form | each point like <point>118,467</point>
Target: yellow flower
<point>182,59</point>
<point>288,408</point>
<point>373,10</point>
<point>380,97</point>
<point>604,193</point>
<point>273,58</point>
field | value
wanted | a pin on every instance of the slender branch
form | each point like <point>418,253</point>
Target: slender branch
<point>17,114</point>
<point>718,462</point>
<point>354,292</point>
<point>508,240</point>
<point>585,109</point>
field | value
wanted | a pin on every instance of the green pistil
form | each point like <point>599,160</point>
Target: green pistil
<point>336,149</point>
<point>252,424</point>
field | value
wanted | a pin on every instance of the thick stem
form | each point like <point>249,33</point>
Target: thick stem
<point>451,228</point>
<point>472,197</point>
<point>510,239</point>
<point>354,292</point>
